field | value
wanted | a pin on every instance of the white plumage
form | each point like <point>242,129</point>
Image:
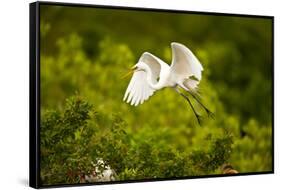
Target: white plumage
<point>151,74</point>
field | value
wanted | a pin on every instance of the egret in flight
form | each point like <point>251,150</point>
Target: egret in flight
<point>151,74</point>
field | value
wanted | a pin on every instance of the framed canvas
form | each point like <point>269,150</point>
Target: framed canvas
<point>120,94</point>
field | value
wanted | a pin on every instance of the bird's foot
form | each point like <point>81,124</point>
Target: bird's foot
<point>210,114</point>
<point>199,119</point>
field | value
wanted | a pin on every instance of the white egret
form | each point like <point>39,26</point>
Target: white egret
<point>151,74</point>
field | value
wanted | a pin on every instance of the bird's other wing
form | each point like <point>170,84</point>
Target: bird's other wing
<point>184,63</point>
<point>138,89</point>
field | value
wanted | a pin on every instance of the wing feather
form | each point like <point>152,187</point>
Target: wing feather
<point>140,97</point>
<point>135,92</point>
<point>154,63</point>
<point>138,89</point>
<point>136,97</point>
<point>128,90</point>
<point>184,63</point>
<point>132,92</point>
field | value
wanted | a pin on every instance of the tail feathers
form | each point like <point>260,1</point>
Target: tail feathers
<point>190,84</point>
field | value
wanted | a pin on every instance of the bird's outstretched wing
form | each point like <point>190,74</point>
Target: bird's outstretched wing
<point>185,65</point>
<point>138,89</point>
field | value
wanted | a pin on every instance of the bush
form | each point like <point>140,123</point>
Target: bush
<point>75,137</point>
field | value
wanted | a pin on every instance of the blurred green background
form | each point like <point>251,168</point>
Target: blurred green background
<point>84,52</point>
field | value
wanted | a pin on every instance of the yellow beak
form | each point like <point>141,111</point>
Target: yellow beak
<point>131,71</point>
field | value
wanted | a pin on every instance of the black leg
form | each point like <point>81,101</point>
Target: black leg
<point>198,117</point>
<point>210,114</point>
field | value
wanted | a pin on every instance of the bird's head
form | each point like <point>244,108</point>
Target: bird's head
<point>135,68</point>
<point>140,66</point>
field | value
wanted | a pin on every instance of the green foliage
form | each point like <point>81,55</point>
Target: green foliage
<point>84,55</point>
<point>251,148</point>
<point>73,138</point>
<point>64,139</point>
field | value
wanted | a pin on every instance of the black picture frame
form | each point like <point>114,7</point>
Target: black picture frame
<point>34,91</point>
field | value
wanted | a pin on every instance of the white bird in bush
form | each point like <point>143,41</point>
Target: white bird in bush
<point>151,74</point>
<point>98,175</point>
